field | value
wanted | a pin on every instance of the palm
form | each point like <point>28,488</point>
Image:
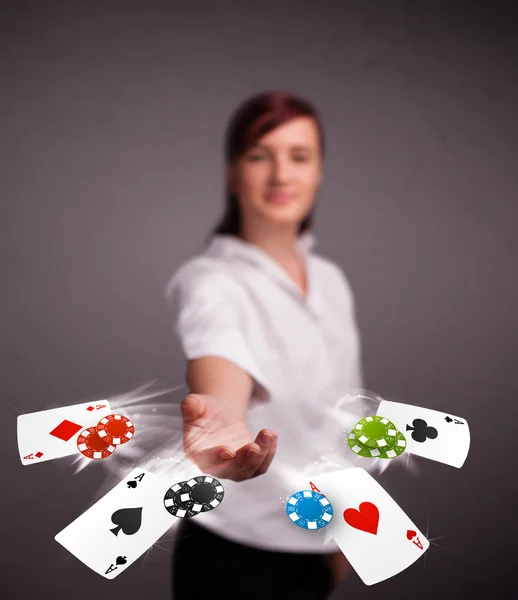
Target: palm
<point>208,431</point>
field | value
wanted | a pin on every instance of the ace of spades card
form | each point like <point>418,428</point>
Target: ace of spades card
<point>429,433</point>
<point>370,528</point>
<point>121,526</point>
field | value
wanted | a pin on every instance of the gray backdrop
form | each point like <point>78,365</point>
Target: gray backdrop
<point>111,156</point>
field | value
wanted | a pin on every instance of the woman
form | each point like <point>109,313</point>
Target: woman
<point>271,342</point>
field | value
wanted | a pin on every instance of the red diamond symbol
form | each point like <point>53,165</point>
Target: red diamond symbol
<point>38,454</point>
<point>90,408</point>
<point>65,430</point>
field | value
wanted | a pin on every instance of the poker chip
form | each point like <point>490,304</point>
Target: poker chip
<point>197,495</point>
<point>397,448</point>
<point>115,429</point>
<point>202,493</point>
<point>376,432</point>
<point>309,510</point>
<point>172,502</point>
<point>91,445</point>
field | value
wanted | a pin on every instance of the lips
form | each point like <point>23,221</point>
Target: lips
<point>278,197</point>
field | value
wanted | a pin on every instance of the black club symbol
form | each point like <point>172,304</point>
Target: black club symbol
<point>421,431</point>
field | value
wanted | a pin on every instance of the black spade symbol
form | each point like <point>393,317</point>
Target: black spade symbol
<point>127,519</point>
<point>121,560</point>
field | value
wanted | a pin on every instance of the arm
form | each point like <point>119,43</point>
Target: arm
<point>216,437</point>
<point>220,375</point>
<point>223,380</point>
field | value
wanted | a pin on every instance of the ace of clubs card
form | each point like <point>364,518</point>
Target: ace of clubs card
<point>429,433</point>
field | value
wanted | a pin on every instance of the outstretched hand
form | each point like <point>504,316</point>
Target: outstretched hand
<point>221,445</point>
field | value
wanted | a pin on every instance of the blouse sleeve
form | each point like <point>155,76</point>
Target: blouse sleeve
<point>208,316</point>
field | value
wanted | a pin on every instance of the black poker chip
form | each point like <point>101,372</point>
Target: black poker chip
<point>190,498</point>
<point>172,502</point>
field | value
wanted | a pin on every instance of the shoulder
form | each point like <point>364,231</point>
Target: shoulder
<point>202,274</point>
<point>331,272</point>
<point>335,283</point>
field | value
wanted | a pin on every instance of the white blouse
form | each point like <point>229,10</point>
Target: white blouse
<point>303,353</point>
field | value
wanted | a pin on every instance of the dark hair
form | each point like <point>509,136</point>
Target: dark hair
<point>253,119</point>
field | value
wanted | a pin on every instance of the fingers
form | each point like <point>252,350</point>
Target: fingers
<point>254,459</point>
<point>250,460</point>
<point>269,441</point>
<point>226,453</point>
<point>247,460</point>
<point>193,408</point>
<point>211,459</point>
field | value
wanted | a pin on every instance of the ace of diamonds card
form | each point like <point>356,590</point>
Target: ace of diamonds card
<point>50,434</point>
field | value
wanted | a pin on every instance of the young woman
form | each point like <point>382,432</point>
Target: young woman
<point>270,338</point>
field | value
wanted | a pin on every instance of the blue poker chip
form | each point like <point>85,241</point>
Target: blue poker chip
<point>309,510</point>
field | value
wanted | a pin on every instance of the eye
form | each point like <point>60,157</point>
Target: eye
<point>255,157</point>
<point>301,158</point>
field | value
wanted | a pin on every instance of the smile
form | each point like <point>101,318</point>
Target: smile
<point>279,197</point>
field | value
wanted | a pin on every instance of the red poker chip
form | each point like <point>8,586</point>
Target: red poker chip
<point>91,445</point>
<point>115,429</point>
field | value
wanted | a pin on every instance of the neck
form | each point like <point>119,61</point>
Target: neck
<point>280,243</point>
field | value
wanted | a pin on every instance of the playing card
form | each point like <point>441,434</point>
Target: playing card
<point>372,531</point>
<point>121,526</point>
<point>50,434</point>
<point>429,433</point>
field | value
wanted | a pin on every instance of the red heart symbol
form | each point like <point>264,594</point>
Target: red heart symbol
<point>365,519</point>
<point>410,534</point>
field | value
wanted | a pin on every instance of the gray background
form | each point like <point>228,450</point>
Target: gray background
<point>111,156</point>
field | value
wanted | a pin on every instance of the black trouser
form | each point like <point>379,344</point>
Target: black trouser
<point>204,563</point>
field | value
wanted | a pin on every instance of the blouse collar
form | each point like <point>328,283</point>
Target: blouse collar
<point>233,249</point>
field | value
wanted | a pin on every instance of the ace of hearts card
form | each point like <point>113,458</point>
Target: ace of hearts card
<point>370,528</point>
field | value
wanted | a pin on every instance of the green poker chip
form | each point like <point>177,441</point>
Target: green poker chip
<point>396,449</point>
<point>376,432</point>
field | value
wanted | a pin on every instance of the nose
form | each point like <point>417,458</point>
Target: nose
<point>281,170</point>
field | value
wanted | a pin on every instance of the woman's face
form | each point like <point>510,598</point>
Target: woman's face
<point>277,180</point>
